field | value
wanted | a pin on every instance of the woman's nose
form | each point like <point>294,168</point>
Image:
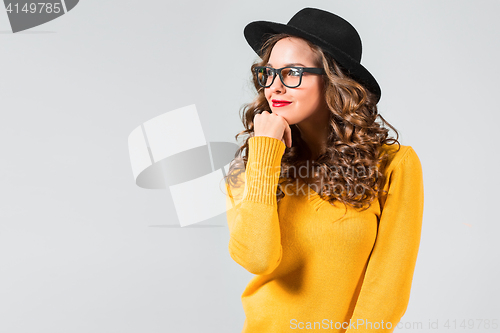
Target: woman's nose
<point>277,85</point>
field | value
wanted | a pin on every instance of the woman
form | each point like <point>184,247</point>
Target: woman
<point>324,208</point>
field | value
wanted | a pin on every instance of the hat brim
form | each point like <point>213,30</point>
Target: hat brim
<point>256,33</point>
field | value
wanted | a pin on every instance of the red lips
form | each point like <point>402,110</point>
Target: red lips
<point>279,103</point>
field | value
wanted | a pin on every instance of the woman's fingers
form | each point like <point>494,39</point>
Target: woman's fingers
<point>274,126</point>
<point>287,132</point>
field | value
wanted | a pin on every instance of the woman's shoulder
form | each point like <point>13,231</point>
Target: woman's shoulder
<point>397,154</point>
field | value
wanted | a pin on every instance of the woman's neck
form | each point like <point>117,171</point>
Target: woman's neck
<point>315,134</point>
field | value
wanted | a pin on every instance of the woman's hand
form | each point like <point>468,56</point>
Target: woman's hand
<point>274,126</point>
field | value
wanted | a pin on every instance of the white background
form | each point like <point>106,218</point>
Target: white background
<point>83,249</point>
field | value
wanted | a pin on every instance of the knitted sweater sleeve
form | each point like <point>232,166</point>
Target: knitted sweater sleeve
<point>252,216</point>
<point>385,290</point>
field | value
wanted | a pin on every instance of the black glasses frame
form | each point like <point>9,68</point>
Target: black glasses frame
<point>314,70</point>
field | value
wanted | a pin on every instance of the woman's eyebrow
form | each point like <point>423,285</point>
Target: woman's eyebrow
<point>288,65</point>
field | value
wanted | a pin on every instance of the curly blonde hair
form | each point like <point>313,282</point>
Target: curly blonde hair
<point>353,143</point>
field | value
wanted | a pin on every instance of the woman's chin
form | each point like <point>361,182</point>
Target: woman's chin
<point>283,114</point>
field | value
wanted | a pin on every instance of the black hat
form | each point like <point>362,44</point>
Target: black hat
<point>332,33</point>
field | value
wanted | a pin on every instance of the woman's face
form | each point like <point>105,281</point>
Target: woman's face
<point>306,101</point>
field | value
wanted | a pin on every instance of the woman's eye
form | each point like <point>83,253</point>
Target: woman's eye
<point>294,72</point>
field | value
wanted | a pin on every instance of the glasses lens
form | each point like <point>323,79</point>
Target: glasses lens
<point>291,76</point>
<point>264,76</point>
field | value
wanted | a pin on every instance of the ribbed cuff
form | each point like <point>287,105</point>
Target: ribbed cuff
<point>263,169</point>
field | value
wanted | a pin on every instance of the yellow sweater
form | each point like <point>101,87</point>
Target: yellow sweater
<point>314,271</point>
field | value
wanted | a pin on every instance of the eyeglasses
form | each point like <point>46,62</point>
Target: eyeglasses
<point>291,77</point>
